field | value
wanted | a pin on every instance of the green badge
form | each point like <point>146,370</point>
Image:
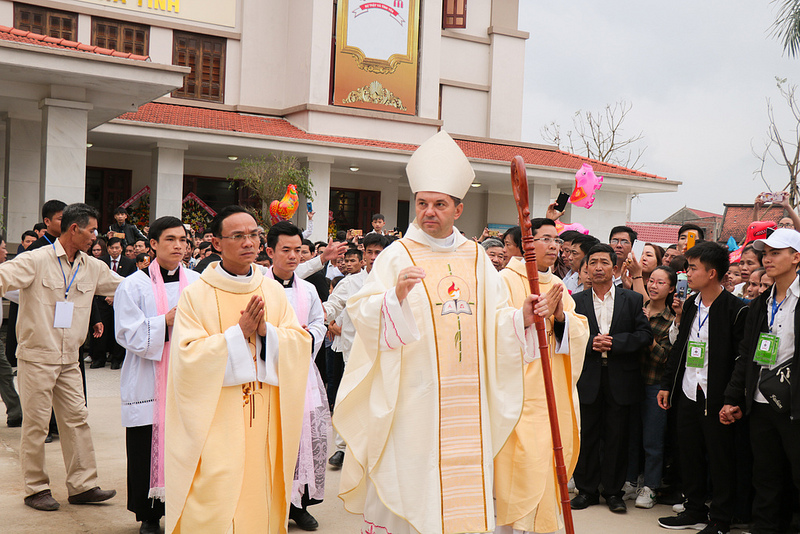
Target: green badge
<point>767,349</point>
<point>696,354</point>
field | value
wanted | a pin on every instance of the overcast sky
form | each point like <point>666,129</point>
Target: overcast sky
<point>697,73</point>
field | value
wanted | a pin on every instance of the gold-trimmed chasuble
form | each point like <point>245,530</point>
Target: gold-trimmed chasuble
<point>451,285</point>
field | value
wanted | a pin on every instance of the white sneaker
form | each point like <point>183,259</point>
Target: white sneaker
<point>571,485</point>
<point>678,508</point>
<point>646,498</point>
<point>629,491</point>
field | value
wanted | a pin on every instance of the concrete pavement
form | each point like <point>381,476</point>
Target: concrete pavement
<point>112,517</point>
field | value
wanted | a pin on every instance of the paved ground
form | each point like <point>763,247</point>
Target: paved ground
<point>113,517</point>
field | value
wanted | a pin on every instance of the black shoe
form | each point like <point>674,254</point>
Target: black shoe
<point>116,365</point>
<point>304,520</point>
<point>582,501</point>
<point>14,423</point>
<point>150,526</point>
<point>49,438</point>
<point>92,496</point>
<point>97,365</point>
<point>337,459</point>
<point>616,504</point>
<point>683,520</point>
<point>716,527</point>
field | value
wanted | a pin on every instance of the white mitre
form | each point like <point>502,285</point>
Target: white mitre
<point>440,166</point>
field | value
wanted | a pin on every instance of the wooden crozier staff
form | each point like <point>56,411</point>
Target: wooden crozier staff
<point>519,182</point>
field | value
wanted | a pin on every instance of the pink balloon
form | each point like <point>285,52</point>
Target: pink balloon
<point>586,183</point>
<point>578,227</point>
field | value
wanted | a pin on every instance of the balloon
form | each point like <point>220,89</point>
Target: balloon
<point>283,209</point>
<point>586,183</point>
<point>732,244</point>
<point>758,230</point>
<point>578,227</point>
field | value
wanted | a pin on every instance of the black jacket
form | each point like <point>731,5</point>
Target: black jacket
<point>631,333</point>
<point>726,321</point>
<point>132,234</point>
<point>126,265</point>
<point>205,262</point>
<point>45,241</point>
<point>742,386</point>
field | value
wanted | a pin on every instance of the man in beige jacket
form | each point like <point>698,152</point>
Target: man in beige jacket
<point>57,284</point>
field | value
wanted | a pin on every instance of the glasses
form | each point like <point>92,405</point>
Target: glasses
<point>785,225</point>
<point>238,238</point>
<point>620,242</point>
<point>550,240</point>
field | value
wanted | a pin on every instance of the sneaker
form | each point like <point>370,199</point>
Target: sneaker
<point>680,507</point>
<point>684,520</point>
<point>716,527</point>
<point>646,498</point>
<point>629,491</point>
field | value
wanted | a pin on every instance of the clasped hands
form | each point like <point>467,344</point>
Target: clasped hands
<point>252,319</point>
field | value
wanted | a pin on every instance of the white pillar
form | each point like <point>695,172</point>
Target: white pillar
<point>166,179</point>
<point>21,209</point>
<point>389,202</point>
<point>62,173</point>
<point>320,177</point>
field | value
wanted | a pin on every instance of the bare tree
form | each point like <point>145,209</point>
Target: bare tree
<point>598,135</point>
<point>785,151</point>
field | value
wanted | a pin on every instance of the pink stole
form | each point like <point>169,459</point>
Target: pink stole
<point>157,452</point>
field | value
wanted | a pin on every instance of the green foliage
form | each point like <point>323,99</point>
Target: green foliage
<point>787,25</point>
<point>267,179</point>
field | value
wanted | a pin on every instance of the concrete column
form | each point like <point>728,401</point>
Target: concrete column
<point>389,202</point>
<point>62,173</point>
<point>166,179</point>
<point>21,209</point>
<point>320,177</point>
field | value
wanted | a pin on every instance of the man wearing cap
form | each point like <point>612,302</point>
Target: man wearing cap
<point>759,385</point>
<point>433,386</point>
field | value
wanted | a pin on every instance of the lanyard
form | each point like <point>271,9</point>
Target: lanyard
<point>699,322</point>
<point>775,307</point>
<point>66,291</point>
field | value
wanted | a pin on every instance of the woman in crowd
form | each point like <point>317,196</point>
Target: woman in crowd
<point>638,269</point>
<point>751,260</point>
<point>753,288</point>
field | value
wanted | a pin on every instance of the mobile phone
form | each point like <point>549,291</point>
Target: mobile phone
<point>691,239</point>
<point>681,289</point>
<point>561,203</point>
<point>637,249</point>
<point>358,232</point>
<point>308,207</point>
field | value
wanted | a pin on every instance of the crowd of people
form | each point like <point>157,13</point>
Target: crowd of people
<point>671,368</point>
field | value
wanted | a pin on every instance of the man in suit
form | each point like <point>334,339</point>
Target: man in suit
<point>610,381</point>
<point>124,267</point>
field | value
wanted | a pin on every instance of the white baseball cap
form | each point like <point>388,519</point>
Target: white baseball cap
<point>780,238</point>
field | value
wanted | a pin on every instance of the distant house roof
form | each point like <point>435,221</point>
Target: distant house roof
<point>657,233</point>
<point>737,218</point>
<point>703,214</point>
<point>232,121</point>
<point>22,36</point>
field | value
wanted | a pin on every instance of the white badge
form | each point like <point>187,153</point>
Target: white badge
<point>63,317</point>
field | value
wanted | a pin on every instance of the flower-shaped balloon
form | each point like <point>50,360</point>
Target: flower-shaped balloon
<point>561,227</point>
<point>586,183</point>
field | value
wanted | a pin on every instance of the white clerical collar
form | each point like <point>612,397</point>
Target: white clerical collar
<point>173,271</point>
<point>244,278</point>
<point>447,244</point>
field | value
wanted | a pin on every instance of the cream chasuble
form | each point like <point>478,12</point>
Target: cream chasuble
<point>526,487</point>
<point>231,450</point>
<point>431,391</point>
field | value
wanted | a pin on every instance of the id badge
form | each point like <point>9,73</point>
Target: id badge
<point>63,317</point>
<point>767,349</point>
<point>696,354</point>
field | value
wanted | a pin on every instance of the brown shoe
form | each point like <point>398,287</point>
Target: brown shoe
<point>42,500</point>
<point>93,495</point>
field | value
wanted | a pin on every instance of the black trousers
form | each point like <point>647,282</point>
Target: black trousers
<point>776,453</point>
<point>335,369</point>
<point>603,421</point>
<point>706,447</point>
<point>11,333</point>
<point>138,442</point>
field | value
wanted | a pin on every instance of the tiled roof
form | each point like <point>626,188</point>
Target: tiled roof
<point>738,217</point>
<point>655,232</point>
<point>22,36</point>
<point>703,214</point>
<point>232,121</point>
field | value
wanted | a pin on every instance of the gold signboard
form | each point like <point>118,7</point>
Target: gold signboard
<point>217,12</point>
<point>376,55</point>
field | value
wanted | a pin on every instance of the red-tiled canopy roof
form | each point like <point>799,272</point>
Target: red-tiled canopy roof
<point>232,121</point>
<point>655,232</point>
<point>22,36</point>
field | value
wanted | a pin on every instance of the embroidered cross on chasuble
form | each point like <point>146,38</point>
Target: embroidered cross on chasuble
<point>451,286</point>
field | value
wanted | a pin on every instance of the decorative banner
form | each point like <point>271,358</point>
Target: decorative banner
<point>143,191</point>
<point>192,196</point>
<point>216,12</point>
<point>376,55</point>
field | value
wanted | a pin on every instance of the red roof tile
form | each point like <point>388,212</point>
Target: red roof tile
<point>655,232</point>
<point>739,216</point>
<point>22,36</point>
<point>232,121</point>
